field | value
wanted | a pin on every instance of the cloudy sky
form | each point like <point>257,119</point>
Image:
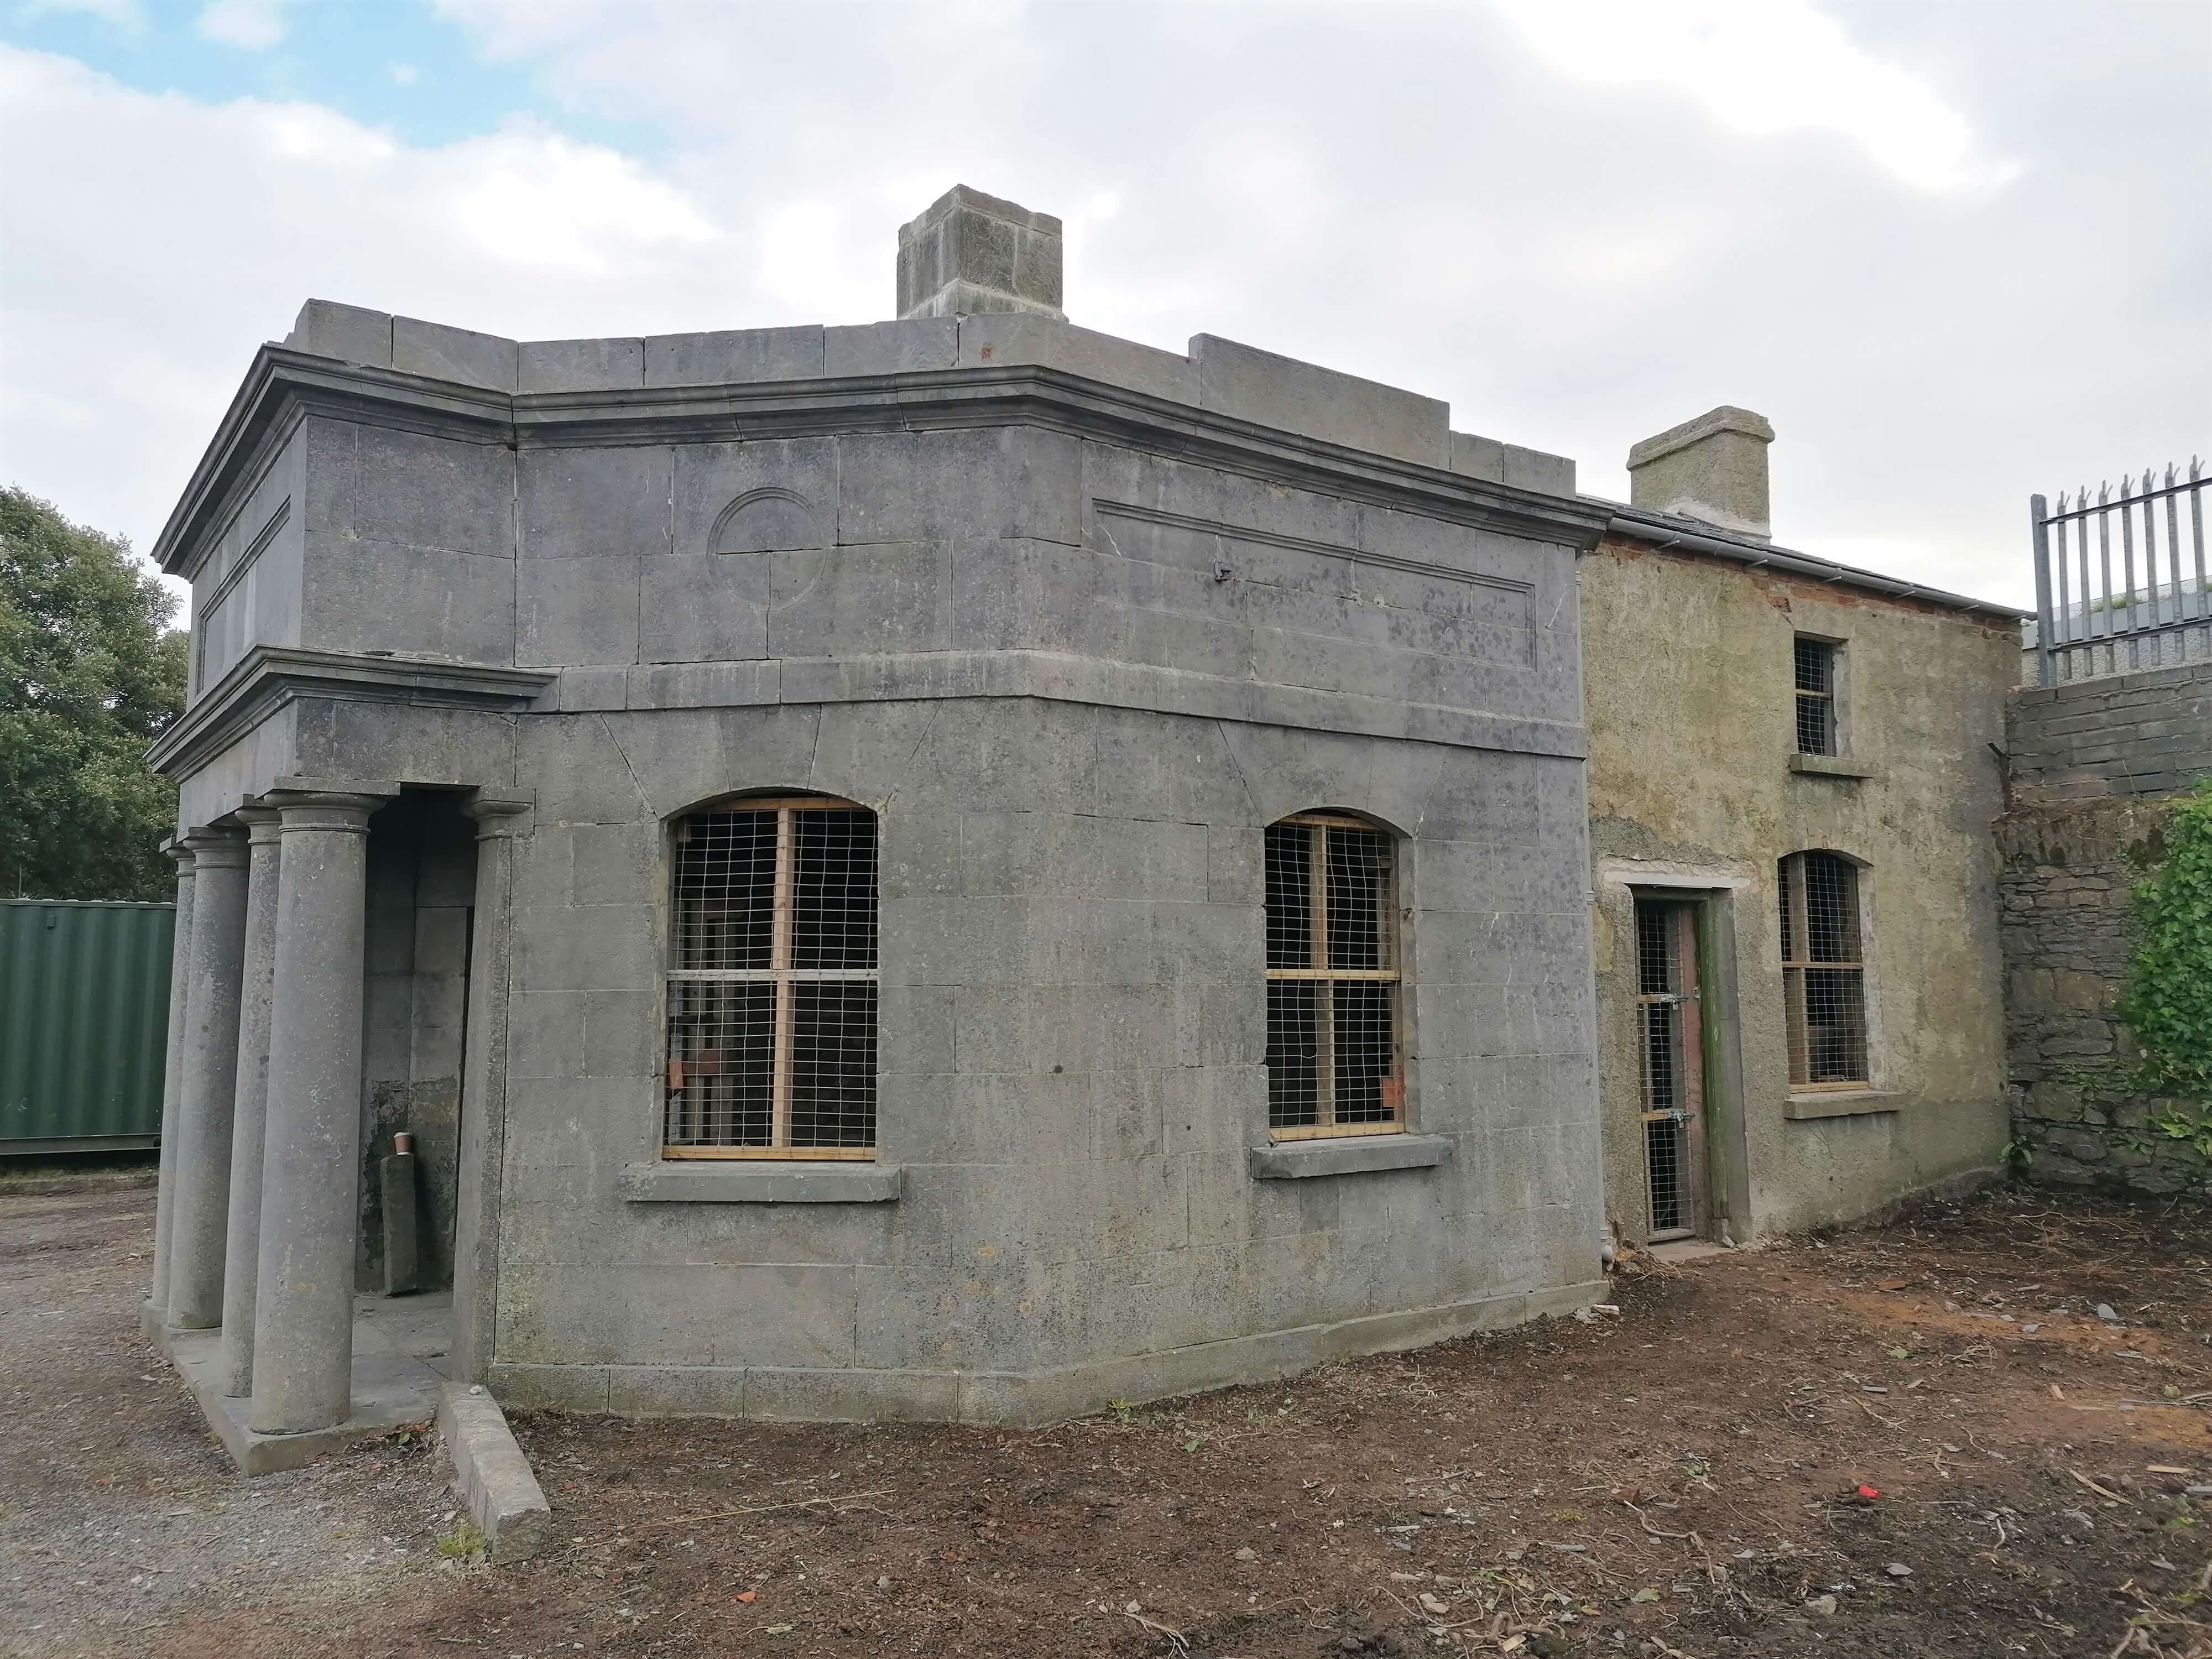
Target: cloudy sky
<point>1956,252</point>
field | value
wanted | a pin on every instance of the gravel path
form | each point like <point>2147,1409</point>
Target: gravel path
<point>123,1529</point>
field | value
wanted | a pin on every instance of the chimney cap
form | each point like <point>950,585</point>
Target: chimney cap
<point>969,254</point>
<point>1726,418</point>
<point>966,196</point>
<point>1713,468</point>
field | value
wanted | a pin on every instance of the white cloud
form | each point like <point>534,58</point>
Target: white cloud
<point>803,262</point>
<point>405,75</point>
<point>126,14</point>
<point>120,347</point>
<point>1764,67</point>
<point>1405,192</point>
<point>542,203</point>
<point>249,25</point>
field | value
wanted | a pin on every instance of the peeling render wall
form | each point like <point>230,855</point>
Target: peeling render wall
<point>1688,696</point>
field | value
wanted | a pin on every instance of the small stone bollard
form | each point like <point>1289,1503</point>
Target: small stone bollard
<point>396,1183</point>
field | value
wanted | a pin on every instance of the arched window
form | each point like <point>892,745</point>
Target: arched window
<point>1823,970</point>
<point>772,981</point>
<point>1333,1066</point>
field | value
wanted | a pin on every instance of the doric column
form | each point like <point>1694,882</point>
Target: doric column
<point>483,1089</point>
<point>200,1211</point>
<point>156,1313</point>
<point>311,1156</point>
<point>241,1260</point>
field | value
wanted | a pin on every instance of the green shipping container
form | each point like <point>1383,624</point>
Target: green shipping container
<point>84,1024</point>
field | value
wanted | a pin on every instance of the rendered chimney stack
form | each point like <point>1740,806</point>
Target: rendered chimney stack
<point>970,253</point>
<point>1713,468</point>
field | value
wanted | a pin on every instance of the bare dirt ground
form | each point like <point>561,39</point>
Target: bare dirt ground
<point>122,1527</point>
<point>1681,1478</point>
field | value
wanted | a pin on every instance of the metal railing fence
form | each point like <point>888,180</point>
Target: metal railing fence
<point>2092,620</point>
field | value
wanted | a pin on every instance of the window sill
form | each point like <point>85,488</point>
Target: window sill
<point>740,1181</point>
<point>1842,1103</point>
<point>1297,1160</point>
<point>1831,766</point>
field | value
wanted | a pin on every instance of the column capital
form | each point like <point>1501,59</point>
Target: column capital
<point>262,823</point>
<point>214,846</point>
<point>496,815</point>
<point>331,811</point>
<point>175,848</point>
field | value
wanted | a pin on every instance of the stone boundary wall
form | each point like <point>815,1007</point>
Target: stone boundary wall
<point>2095,764</point>
<point>2147,733</point>
<point>2067,870</point>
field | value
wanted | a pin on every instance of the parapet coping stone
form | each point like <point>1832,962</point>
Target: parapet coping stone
<point>491,1476</point>
<point>1224,377</point>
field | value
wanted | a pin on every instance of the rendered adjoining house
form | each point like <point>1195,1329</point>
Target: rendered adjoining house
<point>1794,770</point>
<point>955,868</point>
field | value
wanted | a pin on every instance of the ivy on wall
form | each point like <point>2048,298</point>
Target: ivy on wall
<point>2167,1003</point>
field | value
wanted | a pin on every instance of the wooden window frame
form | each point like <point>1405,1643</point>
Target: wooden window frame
<point>779,973</point>
<point>1797,931</point>
<point>1828,698</point>
<point>1325,1126</point>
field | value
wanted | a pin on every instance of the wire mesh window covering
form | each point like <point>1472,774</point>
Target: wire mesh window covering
<point>1823,973</point>
<point>1333,1066</point>
<point>772,992</point>
<point>1816,696</point>
<point>1672,1091</point>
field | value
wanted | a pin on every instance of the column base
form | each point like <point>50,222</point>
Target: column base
<point>399,1350</point>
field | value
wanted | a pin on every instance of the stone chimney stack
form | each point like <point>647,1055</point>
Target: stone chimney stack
<point>970,253</point>
<point>1713,468</point>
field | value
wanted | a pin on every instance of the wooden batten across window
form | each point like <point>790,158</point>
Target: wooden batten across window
<point>1334,1065</point>
<point>1823,971</point>
<point>772,986</point>
<point>1814,665</point>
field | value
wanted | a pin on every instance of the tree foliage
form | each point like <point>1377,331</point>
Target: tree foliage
<point>90,674</point>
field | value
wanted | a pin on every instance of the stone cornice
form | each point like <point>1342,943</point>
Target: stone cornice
<point>1033,395</point>
<point>282,385</point>
<point>269,676</point>
<point>279,388</point>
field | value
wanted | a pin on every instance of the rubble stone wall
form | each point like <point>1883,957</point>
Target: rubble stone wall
<point>2094,767</point>
<point>2068,870</point>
